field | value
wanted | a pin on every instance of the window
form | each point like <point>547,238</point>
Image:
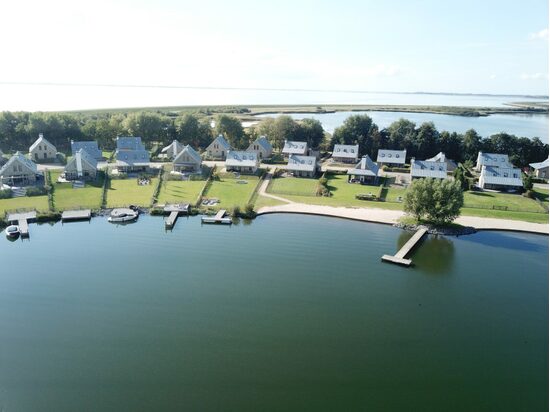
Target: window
<point>397,156</point>
<point>505,174</point>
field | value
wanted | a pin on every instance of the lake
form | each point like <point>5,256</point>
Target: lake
<point>524,125</point>
<point>287,312</point>
<point>15,97</point>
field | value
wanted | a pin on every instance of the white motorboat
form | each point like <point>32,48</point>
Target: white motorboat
<point>123,215</point>
<point>12,231</point>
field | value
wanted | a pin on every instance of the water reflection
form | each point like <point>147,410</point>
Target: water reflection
<point>434,254</point>
<point>503,240</point>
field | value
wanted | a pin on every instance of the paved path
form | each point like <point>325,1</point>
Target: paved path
<point>393,216</point>
<point>263,188</point>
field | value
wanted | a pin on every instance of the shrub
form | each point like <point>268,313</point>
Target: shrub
<point>530,194</point>
<point>6,193</point>
<point>236,212</point>
<point>36,190</point>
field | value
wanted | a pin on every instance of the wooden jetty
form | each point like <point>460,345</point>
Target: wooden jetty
<point>173,212</point>
<point>22,220</point>
<point>399,257</point>
<point>74,215</point>
<point>219,218</point>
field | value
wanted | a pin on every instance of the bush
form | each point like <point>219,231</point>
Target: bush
<point>61,158</point>
<point>36,190</point>
<point>6,194</point>
<point>529,194</point>
<point>236,212</point>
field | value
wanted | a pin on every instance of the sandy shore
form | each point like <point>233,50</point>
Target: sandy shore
<point>392,216</point>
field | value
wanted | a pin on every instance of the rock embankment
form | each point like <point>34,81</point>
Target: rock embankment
<point>454,230</point>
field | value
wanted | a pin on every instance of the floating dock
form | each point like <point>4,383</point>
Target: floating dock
<point>174,211</point>
<point>22,220</point>
<point>399,257</point>
<point>219,218</point>
<point>74,215</point>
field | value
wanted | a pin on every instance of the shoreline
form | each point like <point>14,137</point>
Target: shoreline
<point>391,217</point>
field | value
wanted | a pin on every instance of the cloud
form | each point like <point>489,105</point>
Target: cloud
<point>539,35</point>
<point>533,76</point>
<point>493,76</point>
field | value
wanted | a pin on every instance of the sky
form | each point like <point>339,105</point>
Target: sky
<point>399,46</point>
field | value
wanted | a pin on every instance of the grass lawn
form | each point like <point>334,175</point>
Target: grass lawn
<point>261,201</point>
<point>180,191</point>
<point>65,197</point>
<point>40,203</point>
<point>296,186</point>
<point>541,194</point>
<point>125,192</point>
<point>486,200</point>
<point>229,192</point>
<point>503,214</point>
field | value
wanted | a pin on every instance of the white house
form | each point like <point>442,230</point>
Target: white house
<point>500,178</point>
<point>243,162</point>
<point>19,171</point>
<point>541,169</point>
<point>391,157</point>
<point>42,151</point>
<point>218,148</point>
<point>82,166</point>
<point>261,147</point>
<point>304,166</point>
<point>428,168</point>
<point>187,160</point>
<point>90,146</point>
<point>294,148</point>
<point>440,157</point>
<point>172,149</point>
<point>345,153</point>
<point>365,172</point>
<point>131,154</point>
<point>493,160</point>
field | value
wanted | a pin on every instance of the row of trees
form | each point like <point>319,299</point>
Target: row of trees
<point>425,141</point>
<point>19,129</point>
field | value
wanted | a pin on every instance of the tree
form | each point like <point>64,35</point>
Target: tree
<point>461,178</point>
<point>528,182</point>
<point>232,129</point>
<point>401,133</point>
<point>150,126</point>
<point>190,130</point>
<point>471,143</point>
<point>310,131</point>
<point>358,129</point>
<point>437,201</point>
<point>451,145</point>
<point>425,143</point>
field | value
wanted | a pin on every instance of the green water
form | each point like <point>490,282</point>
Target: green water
<point>289,313</point>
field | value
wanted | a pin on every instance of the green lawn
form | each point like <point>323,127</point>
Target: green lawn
<point>40,203</point>
<point>125,192</point>
<point>262,201</point>
<point>229,192</point>
<point>65,197</point>
<point>180,191</point>
<point>502,214</point>
<point>486,200</point>
<point>297,186</point>
<point>541,194</point>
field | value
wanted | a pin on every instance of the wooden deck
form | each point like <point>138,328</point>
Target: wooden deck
<point>218,218</point>
<point>399,257</point>
<point>72,215</point>
<point>174,211</point>
<point>22,220</point>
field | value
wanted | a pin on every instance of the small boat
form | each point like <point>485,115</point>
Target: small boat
<point>123,215</point>
<point>12,231</point>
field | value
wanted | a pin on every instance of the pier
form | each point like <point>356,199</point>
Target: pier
<point>74,215</point>
<point>218,218</point>
<point>174,211</point>
<point>399,257</point>
<point>22,221</point>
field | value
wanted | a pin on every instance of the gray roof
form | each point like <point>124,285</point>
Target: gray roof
<point>90,146</point>
<point>291,147</point>
<point>505,176</point>
<point>493,159</point>
<point>391,156</point>
<point>428,168</point>
<point>262,141</point>
<point>21,159</point>
<point>302,163</point>
<point>189,151</point>
<point>129,143</point>
<point>80,160</point>
<point>175,145</point>
<point>41,140</point>
<point>222,142</point>
<point>240,158</point>
<point>349,151</point>
<point>540,165</point>
<point>366,167</point>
